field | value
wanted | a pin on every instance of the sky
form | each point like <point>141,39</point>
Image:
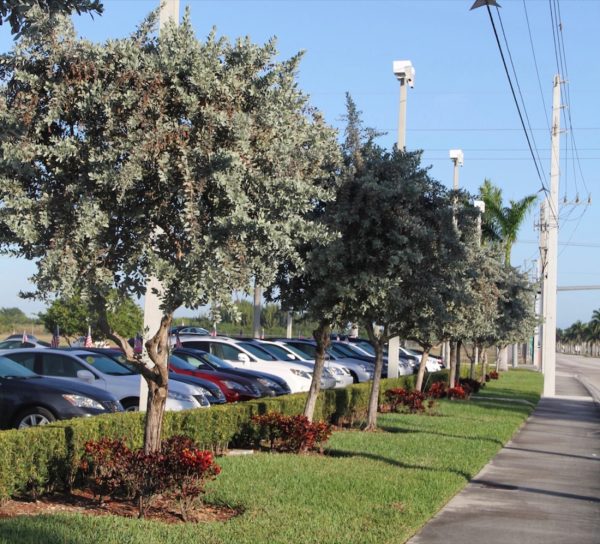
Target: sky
<point>461,99</point>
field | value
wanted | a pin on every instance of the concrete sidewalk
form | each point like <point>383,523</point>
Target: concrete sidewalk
<point>542,488</point>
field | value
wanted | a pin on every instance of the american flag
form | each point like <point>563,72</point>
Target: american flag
<point>55,338</point>
<point>24,339</point>
<point>137,344</point>
<point>214,330</point>
<point>178,343</point>
<point>88,339</point>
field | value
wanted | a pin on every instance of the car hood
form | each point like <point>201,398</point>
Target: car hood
<point>66,386</point>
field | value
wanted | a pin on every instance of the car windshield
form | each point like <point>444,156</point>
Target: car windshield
<point>10,369</point>
<point>12,344</point>
<point>106,365</point>
<point>344,350</point>
<point>307,349</point>
<point>297,352</point>
<point>366,347</point>
<point>277,351</point>
<point>181,364</point>
<point>257,351</point>
<point>215,361</point>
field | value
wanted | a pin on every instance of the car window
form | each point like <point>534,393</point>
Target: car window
<point>277,351</point>
<point>25,359</point>
<point>228,352</point>
<point>11,344</point>
<point>216,361</point>
<point>11,369</point>
<point>307,348</point>
<point>106,365</point>
<point>195,344</point>
<point>258,351</point>
<point>181,362</point>
<point>61,366</point>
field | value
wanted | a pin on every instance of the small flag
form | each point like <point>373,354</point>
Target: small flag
<point>137,344</point>
<point>88,339</point>
<point>178,343</point>
<point>55,338</point>
<point>214,330</point>
<point>24,339</point>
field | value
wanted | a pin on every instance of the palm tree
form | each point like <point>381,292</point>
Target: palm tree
<point>501,223</point>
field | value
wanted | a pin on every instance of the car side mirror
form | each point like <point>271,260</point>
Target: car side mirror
<point>243,358</point>
<point>85,376</point>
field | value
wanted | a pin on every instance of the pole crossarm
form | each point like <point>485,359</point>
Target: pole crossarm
<point>578,288</point>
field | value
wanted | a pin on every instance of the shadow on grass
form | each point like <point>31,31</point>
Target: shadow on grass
<point>394,462</point>
<point>389,429</point>
<point>37,529</point>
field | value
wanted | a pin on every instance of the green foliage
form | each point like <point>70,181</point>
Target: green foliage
<point>21,15</point>
<point>73,315</point>
<point>13,317</point>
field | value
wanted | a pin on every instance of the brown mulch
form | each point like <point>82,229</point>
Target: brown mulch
<point>81,502</point>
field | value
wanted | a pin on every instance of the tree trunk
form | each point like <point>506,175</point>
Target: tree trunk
<point>484,365</point>
<point>452,375</point>
<point>422,369</point>
<point>322,336</point>
<point>457,376</point>
<point>474,361</point>
<point>155,409</point>
<point>374,398</point>
<point>502,362</point>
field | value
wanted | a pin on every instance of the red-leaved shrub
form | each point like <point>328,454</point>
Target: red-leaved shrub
<point>401,399</point>
<point>458,392</point>
<point>179,471</point>
<point>494,375</point>
<point>290,433</point>
<point>438,390</point>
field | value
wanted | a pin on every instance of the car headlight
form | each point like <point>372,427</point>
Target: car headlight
<point>83,402</point>
<point>268,383</point>
<point>204,391</point>
<point>301,373</point>
<point>181,397</point>
<point>235,386</point>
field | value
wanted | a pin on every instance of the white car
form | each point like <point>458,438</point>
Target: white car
<point>248,356</point>
<point>103,372</point>
<point>340,373</point>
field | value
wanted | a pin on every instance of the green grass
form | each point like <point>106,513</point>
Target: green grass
<point>371,487</point>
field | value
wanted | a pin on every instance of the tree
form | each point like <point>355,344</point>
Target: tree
<point>9,317</point>
<point>502,223</point>
<point>20,14</point>
<point>73,315</point>
<point>192,162</point>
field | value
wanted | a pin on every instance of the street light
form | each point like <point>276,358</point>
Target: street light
<point>405,74</point>
<point>458,159</point>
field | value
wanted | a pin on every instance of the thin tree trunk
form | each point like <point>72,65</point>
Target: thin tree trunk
<point>458,348</point>
<point>474,361</point>
<point>422,369</point>
<point>322,336</point>
<point>502,362</point>
<point>374,397</point>
<point>155,410</point>
<point>484,364</point>
<point>452,376</point>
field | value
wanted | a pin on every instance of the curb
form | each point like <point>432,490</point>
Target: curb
<point>592,389</point>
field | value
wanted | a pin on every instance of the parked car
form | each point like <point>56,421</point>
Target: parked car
<point>16,343</point>
<point>211,363</point>
<point>246,355</point>
<point>361,371</point>
<point>186,329</point>
<point>340,374</point>
<point>212,392</point>
<point>100,370</point>
<point>29,400</point>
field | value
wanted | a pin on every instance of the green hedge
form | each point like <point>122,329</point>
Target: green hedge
<point>35,459</point>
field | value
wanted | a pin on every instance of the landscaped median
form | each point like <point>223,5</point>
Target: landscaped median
<point>368,487</point>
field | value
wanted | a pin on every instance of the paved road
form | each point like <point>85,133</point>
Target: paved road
<point>544,486</point>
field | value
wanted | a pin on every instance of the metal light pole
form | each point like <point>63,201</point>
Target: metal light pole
<point>458,158</point>
<point>169,10</point>
<point>480,205</point>
<point>405,73</point>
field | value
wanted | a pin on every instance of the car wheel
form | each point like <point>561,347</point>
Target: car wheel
<point>33,417</point>
<point>131,405</point>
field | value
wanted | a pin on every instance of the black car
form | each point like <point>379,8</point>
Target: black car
<point>28,400</point>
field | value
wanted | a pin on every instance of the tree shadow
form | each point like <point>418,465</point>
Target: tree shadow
<point>438,433</point>
<point>393,462</point>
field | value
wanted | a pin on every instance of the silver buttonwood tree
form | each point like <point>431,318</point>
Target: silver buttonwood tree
<point>193,162</point>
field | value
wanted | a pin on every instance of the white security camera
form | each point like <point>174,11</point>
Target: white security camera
<point>404,70</point>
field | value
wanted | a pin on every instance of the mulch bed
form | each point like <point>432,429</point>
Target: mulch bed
<point>81,502</point>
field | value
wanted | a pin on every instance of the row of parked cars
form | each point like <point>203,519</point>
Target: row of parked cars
<point>41,385</point>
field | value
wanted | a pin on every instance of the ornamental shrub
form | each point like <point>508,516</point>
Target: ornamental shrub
<point>294,434</point>
<point>438,390</point>
<point>401,399</point>
<point>179,471</point>
<point>494,375</point>
<point>459,392</point>
<point>473,385</point>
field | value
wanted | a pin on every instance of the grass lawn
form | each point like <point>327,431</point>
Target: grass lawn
<point>371,487</point>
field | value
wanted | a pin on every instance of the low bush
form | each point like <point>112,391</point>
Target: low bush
<point>438,390</point>
<point>459,392</point>
<point>294,434</point>
<point>410,400</point>
<point>494,375</point>
<point>473,385</point>
<point>179,471</point>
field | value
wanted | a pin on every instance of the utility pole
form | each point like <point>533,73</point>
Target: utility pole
<point>169,10</point>
<point>551,264</point>
<point>405,74</point>
<point>257,310</point>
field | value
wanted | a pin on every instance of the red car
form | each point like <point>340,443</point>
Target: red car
<point>235,388</point>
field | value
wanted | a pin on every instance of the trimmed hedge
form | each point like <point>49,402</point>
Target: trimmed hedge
<point>40,459</point>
